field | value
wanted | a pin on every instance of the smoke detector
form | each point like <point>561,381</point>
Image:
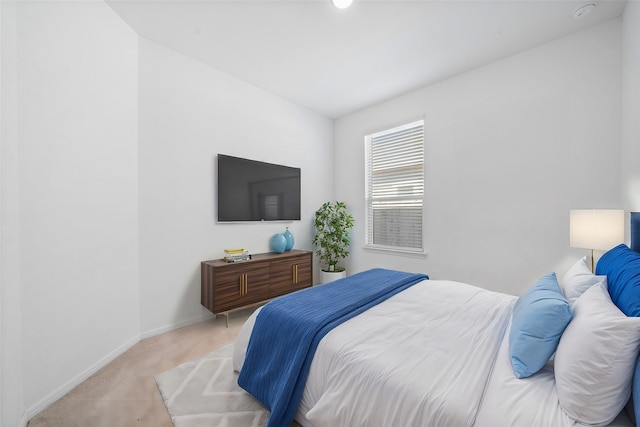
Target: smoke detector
<point>583,10</point>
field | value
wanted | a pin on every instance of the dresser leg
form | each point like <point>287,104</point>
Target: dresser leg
<point>226,318</point>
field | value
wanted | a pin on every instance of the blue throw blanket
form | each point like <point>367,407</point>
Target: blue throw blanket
<point>288,330</point>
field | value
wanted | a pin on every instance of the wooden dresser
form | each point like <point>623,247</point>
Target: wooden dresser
<point>229,286</point>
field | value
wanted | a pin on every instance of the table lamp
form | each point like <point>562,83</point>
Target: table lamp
<point>596,229</point>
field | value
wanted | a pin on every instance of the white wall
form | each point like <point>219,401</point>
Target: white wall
<point>631,107</point>
<point>108,189</point>
<point>510,148</point>
<point>190,112</point>
<point>78,192</point>
<point>11,391</point>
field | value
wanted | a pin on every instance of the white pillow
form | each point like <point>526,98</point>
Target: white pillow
<point>578,279</point>
<point>595,359</point>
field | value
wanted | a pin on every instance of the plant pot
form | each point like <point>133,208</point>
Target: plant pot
<point>330,276</point>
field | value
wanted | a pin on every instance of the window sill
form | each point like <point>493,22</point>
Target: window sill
<point>415,253</point>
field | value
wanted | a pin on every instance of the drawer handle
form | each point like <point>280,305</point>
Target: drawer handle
<point>295,274</point>
<point>244,284</point>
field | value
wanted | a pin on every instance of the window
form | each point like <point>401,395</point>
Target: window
<point>395,187</point>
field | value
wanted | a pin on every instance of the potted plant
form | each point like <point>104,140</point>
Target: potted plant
<point>332,223</point>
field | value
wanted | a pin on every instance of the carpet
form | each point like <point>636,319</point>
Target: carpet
<point>205,392</point>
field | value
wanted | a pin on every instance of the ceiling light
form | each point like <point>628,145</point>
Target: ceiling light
<point>583,10</point>
<point>341,4</point>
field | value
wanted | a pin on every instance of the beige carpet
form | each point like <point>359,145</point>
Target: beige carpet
<point>205,393</point>
<point>124,393</point>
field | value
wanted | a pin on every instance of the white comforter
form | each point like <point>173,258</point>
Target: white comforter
<point>432,355</point>
<point>421,359</point>
<point>509,401</point>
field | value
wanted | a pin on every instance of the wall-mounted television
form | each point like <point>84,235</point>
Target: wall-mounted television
<point>250,190</point>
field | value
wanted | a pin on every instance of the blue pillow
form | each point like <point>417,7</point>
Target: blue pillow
<point>539,317</point>
<point>621,265</point>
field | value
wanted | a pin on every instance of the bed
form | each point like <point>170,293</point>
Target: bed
<point>444,353</point>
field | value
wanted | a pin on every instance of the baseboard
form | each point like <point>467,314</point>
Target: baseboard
<point>168,328</point>
<point>75,381</point>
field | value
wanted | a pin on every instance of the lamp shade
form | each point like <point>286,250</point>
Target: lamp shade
<point>599,229</point>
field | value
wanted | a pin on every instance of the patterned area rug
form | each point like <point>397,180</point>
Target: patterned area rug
<point>205,392</point>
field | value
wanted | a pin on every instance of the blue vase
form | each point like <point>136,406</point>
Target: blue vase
<point>278,242</point>
<point>287,235</point>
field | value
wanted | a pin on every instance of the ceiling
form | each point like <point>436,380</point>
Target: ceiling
<point>336,61</point>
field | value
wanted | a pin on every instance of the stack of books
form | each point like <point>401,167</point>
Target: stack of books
<point>236,255</point>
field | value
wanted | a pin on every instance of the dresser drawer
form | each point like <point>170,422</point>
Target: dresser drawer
<point>239,285</point>
<point>289,275</point>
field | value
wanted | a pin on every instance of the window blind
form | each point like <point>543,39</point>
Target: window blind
<point>395,187</point>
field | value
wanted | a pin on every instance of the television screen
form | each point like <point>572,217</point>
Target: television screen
<point>249,190</point>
